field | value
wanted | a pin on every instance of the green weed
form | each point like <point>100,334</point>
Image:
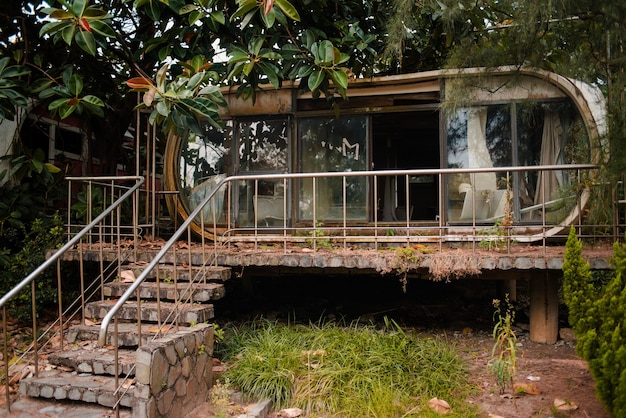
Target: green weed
<point>345,370</point>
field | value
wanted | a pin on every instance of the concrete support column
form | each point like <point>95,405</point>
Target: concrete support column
<point>544,308</point>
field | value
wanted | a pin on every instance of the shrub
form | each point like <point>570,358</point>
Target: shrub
<point>598,317</point>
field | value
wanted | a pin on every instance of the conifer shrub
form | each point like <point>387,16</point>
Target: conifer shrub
<point>597,314</point>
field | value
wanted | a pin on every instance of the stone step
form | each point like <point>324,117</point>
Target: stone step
<point>58,385</point>
<point>25,407</point>
<point>187,313</point>
<point>197,292</point>
<point>98,361</point>
<point>127,335</point>
<point>197,273</point>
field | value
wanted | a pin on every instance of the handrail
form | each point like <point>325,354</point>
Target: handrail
<point>190,218</point>
<point>28,279</point>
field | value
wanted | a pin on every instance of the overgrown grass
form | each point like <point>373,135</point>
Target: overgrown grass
<point>345,371</point>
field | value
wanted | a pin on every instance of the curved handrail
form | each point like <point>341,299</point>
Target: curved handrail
<point>28,279</point>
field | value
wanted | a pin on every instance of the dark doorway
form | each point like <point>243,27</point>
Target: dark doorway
<point>406,140</point>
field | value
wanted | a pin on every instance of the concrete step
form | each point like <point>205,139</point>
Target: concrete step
<point>127,335</point>
<point>188,314</point>
<point>197,292</point>
<point>182,273</point>
<point>58,385</point>
<point>98,361</point>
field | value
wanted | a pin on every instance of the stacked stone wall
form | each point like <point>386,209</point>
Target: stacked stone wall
<point>174,373</point>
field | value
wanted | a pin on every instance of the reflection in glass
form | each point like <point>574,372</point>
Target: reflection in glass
<point>478,137</point>
<point>204,162</point>
<point>333,145</point>
<point>481,137</point>
<point>262,149</point>
<point>549,134</point>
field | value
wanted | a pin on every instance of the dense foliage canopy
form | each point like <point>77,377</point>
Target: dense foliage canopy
<point>76,56</point>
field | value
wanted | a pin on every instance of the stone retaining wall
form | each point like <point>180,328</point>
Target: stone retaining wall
<point>174,373</point>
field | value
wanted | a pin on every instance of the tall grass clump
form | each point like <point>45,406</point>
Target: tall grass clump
<point>348,371</point>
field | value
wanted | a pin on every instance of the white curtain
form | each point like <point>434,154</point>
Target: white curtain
<point>552,144</point>
<point>477,149</point>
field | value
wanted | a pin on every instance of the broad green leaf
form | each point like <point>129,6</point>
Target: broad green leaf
<point>304,71</point>
<point>53,27</point>
<point>288,9</point>
<point>237,54</point>
<point>37,165</point>
<point>269,19</point>
<point>52,168</point>
<point>325,53</point>
<point>103,29</point>
<point>153,10</point>
<point>65,111</point>
<point>340,78</point>
<point>78,7</point>
<point>248,67</point>
<point>92,108</point>
<point>68,34</point>
<point>75,85</point>
<point>60,14</point>
<point>57,103</point>
<point>270,55</point>
<point>208,90</point>
<point>3,64</point>
<point>93,100</point>
<point>195,80</point>
<point>315,79</point>
<point>162,108</point>
<point>171,94</point>
<point>86,42</point>
<point>62,91</point>
<point>40,85</point>
<point>194,17</point>
<point>255,45</point>
<point>15,71</point>
<point>188,8</point>
<point>94,13</point>
<point>218,17</point>
<point>161,77</point>
<point>202,106</point>
<point>244,7</point>
<point>272,72</point>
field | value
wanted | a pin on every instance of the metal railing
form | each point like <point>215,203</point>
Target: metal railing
<point>108,219</point>
<point>225,231</point>
<point>288,225</point>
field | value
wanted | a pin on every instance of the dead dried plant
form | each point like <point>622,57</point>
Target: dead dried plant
<point>452,265</point>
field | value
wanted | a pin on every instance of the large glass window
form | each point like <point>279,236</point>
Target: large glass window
<point>478,137</point>
<point>333,145</point>
<point>546,134</point>
<point>263,149</point>
<point>204,162</point>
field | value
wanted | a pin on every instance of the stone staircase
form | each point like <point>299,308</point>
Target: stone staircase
<point>168,374</point>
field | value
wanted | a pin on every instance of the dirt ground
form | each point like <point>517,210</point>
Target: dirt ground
<point>553,374</point>
<point>460,313</point>
<point>555,381</point>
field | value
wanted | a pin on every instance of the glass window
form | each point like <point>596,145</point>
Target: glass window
<point>548,134</point>
<point>204,162</point>
<point>262,148</point>
<point>333,145</point>
<point>478,137</point>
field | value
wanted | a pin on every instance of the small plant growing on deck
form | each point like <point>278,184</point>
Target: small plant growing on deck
<point>503,355</point>
<point>220,398</point>
<point>318,238</point>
